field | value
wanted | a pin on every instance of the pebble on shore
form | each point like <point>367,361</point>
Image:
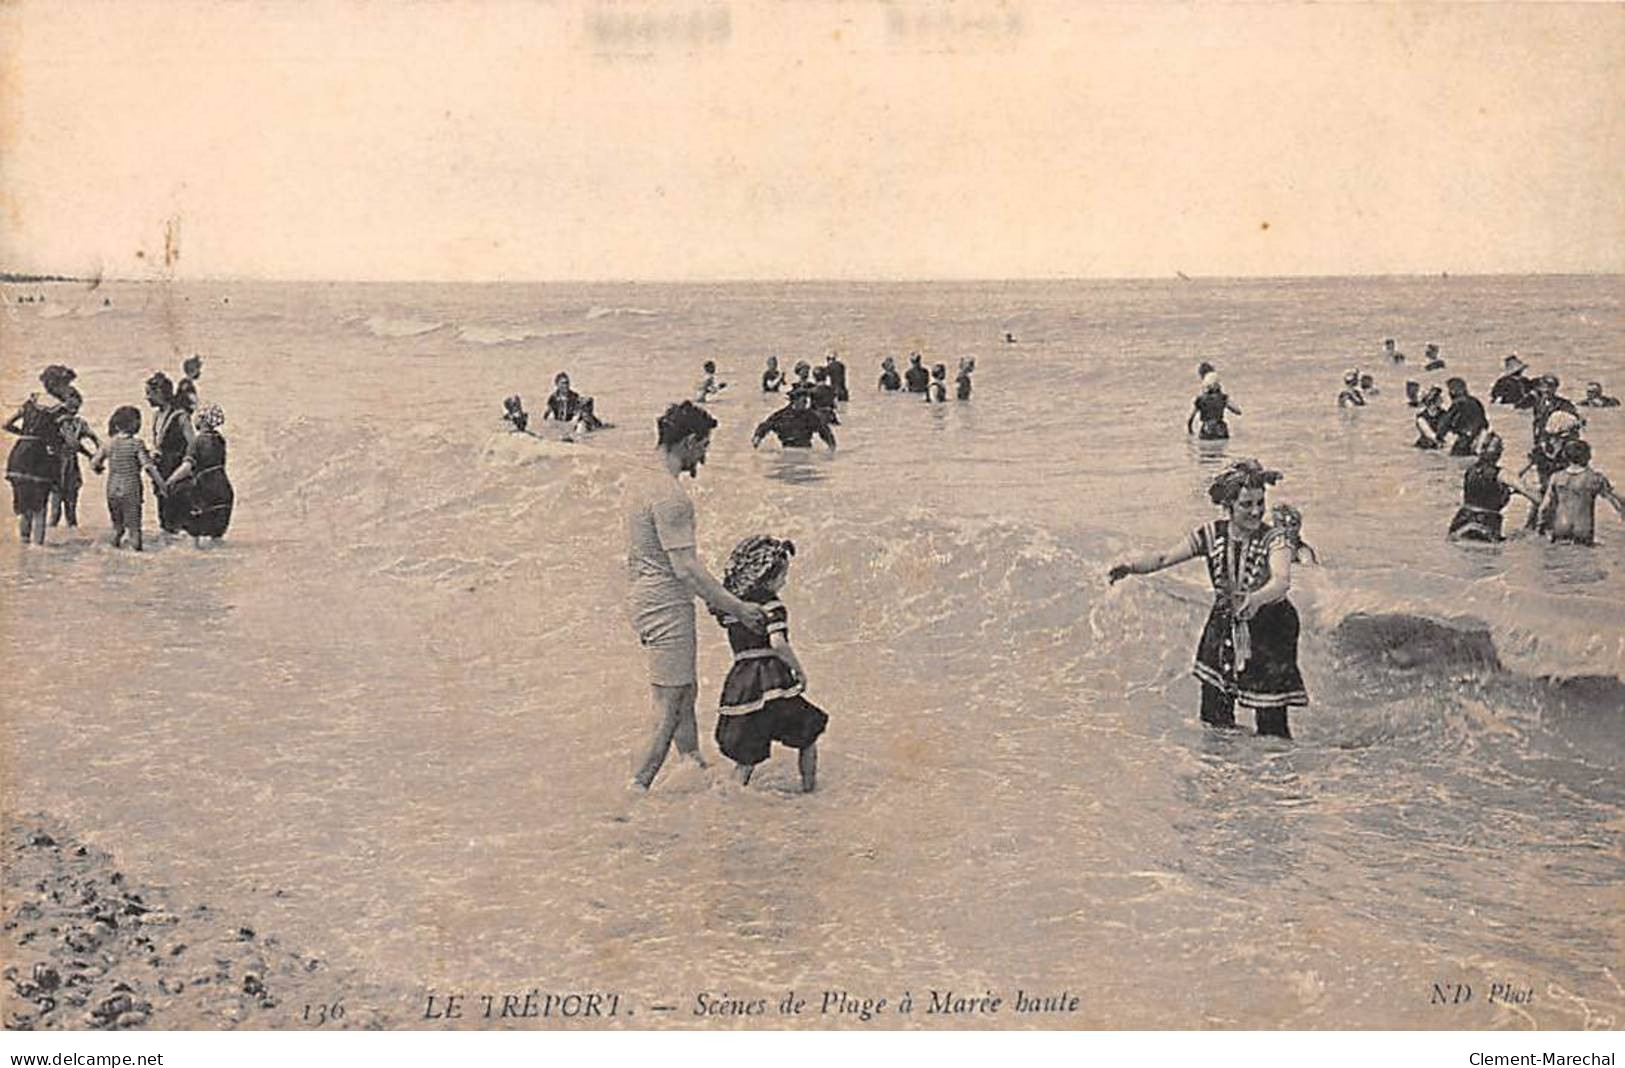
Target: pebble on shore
<point>86,950</point>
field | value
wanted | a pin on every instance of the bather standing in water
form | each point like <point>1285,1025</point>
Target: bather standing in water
<point>772,377</point>
<point>796,424</point>
<point>890,381</point>
<point>1485,492</point>
<point>1210,405</point>
<point>1569,508</point>
<point>171,437</point>
<point>1248,652</point>
<point>1464,418</point>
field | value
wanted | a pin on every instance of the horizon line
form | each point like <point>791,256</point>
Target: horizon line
<point>15,277</point>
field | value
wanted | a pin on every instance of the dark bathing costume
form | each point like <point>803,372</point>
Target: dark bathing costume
<point>1465,418</point>
<point>169,433</point>
<point>761,702</point>
<point>1483,496</point>
<point>795,427</point>
<point>1210,406</point>
<point>34,463</point>
<point>206,498</point>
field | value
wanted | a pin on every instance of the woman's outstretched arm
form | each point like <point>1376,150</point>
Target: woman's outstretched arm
<point>1146,565</point>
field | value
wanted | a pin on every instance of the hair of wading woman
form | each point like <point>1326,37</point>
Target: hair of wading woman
<point>681,421</point>
<point>1243,474</point>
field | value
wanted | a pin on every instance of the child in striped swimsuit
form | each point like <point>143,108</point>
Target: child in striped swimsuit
<point>125,457</point>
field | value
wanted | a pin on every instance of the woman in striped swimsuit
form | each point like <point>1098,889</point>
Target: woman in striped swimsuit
<point>1248,652</point>
<point>207,501</point>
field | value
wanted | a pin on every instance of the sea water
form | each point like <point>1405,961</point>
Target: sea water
<point>392,717</point>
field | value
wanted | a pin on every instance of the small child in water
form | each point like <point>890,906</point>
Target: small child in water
<point>1368,386</point>
<point>1290,521</point>
<point>1569,508</point>
<point>708,386</point>
<point>937,391</point>
<point>1435,361</point>
<point>125,456</point>
<point>966,365</point>
<point>75,431</point>
<point>762,700</point>
<point>514,414</point>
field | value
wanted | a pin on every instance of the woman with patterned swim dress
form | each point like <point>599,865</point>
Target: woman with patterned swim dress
<point>1248,652</point>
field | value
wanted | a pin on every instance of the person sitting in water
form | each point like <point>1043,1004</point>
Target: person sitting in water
<point>890,381</point>
<point>1351,397</point>
<point>1368,386</point>
<point>917,378</point>
<point>1289,521</point>
<point>1435,361</point>
<point>565,405</point>
<point>772,378</point>
<point>1393,354</point>
<point>796,424</point>
<point>514,414</point>
<point>967,364</point>
<point>1569,506</point>
<point>1485,491</point>
<point>837,376</point>
<point>1430,420</point>
<point>1210,405</point>
<point>708,386</point>
<point>823,397</point>
<point>1465,418</point>
<point>936,392</point>
<point>1596,398</point>
<point>1512,388</point>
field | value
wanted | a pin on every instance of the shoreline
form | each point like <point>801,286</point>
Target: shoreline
<point>89,949</point>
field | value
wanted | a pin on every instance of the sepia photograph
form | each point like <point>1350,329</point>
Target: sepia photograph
<point>812,515</point>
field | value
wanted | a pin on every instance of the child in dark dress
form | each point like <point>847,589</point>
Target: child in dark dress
<point>762,700</point>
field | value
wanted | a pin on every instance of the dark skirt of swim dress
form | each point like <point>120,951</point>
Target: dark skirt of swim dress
<point>207,497</point>
<point>34,464</point>
<point>1270,678</point>
<point>762,704</point>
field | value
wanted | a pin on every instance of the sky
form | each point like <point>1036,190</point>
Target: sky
<point>708,139</point>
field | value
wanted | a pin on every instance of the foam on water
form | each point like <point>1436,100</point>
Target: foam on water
<point>405,693</point>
